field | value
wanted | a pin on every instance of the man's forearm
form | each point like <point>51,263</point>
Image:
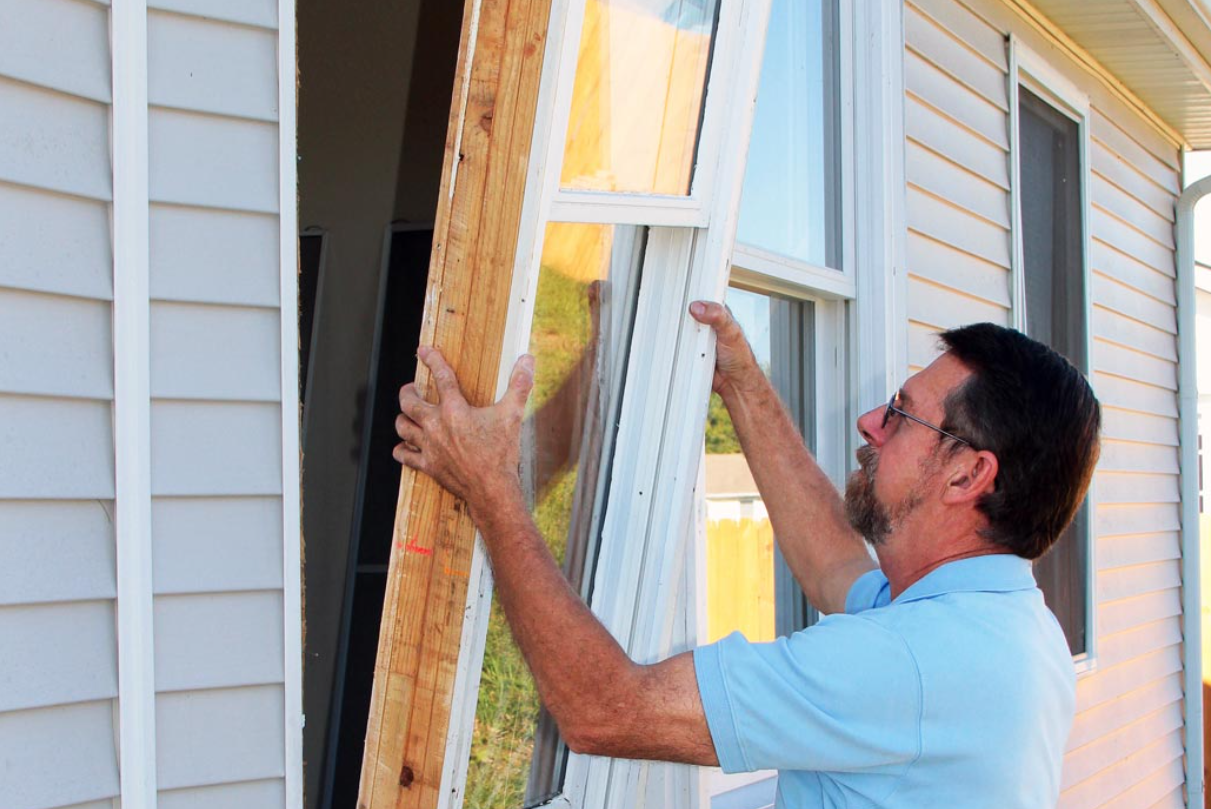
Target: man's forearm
<point>575,661</point>
<point>805,509</point>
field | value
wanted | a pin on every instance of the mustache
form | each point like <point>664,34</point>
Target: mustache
<point>868,459</point>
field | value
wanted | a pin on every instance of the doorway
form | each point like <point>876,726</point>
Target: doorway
<point>375,82</point>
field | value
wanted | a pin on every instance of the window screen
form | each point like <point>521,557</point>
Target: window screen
<point>1053,266</point>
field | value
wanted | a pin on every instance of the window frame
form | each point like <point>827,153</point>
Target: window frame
<point>655,511</point>
<point>1030,70</point>
<point>691,210</point>
<point>687,238</point>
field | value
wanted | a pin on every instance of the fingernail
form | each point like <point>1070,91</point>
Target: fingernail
<point>697,307</point>
<point>422,352</point>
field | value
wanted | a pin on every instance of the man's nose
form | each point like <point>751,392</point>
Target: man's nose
<point>870,426</point>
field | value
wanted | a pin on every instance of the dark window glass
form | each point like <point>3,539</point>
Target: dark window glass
<point>1053,266</point>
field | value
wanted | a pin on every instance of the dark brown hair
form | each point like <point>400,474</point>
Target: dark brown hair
<point>1037,413</point>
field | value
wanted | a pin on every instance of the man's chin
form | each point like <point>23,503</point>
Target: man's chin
<point>865,513</point>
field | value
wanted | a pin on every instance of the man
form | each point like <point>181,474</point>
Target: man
<point>937,679</point>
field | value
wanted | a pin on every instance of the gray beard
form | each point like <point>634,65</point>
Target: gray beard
<point>866,514</point>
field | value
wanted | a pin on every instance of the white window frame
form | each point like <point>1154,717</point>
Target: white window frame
<point>685,233</point>
<point>830,361</point>
<point>660,210</point>
<point>648,529</point>
<point>1028,69</point>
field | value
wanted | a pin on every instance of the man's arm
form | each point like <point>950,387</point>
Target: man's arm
<point>604,703</point>
<point>825,554</point>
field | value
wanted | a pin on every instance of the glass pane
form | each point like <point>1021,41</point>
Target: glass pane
<point>638,94</point>
<point>1053,267</point>
<point>581,333</point>
<point>790,201</point>
<point>749,588</point>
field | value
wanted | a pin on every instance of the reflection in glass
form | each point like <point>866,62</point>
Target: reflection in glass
<point>790,199</point>
<point>580,336</point>
<point>749,588</point>
<point>638,94</point>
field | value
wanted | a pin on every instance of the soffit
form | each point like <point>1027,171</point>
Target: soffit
<point>1160,50</point>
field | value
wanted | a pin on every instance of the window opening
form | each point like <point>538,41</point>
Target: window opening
<point>791,193</point>
<point>580,338</point>
<point>1052,249</point>
<point>749,587</point>
<point>638,95</point>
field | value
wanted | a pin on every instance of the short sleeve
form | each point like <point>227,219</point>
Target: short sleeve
<point>841,696</point>
<point>869,591</point>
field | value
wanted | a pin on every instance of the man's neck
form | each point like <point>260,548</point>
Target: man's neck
<point>907,556</point>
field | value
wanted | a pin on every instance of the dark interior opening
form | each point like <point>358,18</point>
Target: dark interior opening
<point>375,86</point>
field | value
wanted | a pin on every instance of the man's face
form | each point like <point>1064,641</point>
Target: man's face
<point>899,464</point>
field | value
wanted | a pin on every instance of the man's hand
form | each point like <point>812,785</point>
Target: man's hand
<point>736,369</point>
<point>471,451</point>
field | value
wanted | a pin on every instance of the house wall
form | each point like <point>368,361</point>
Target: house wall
<point>1126,745</point>
<point>58,673</point>
<point>216,454</point>
<point>215,412</point>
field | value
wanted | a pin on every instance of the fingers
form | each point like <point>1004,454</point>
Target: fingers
<point>408,430</point>
<point>408,456</point>
<point>412,405</point>
<point>442,373</point>
<point>521,381</point>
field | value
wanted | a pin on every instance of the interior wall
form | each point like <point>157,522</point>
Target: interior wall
<point>355,66</point>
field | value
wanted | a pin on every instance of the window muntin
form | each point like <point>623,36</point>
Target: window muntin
<point>638,95</point>
<point>1052,254</point>
<point>791,193</point>
<point>749,588</point>
<point>580,337</point>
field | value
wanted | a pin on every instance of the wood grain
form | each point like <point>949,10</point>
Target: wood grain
<point>470,273</point>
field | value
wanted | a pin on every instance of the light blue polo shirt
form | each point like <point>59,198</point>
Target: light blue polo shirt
<point>960,693</point>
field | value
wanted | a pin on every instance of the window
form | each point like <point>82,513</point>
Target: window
<point>616,436</point>
<point>791,203</point>
<point>792,290</point>
<point>1051,294</point>
<point>749,588</point>
<point>583,312</point>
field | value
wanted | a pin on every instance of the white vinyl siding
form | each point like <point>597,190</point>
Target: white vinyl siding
<point>216,420</point>
<point>1126,744</point>
<point>957,203</point>
<point>58,674</point>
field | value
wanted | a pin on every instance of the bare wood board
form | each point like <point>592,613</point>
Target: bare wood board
<point>470,273</point>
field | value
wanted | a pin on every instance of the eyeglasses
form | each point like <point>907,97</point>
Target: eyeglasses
<point>893,407</point>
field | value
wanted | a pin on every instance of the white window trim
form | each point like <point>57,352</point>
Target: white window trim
<point>1028,69</point>
<point>292,529</point>
<point>879,322</point>
<point>135,711</point>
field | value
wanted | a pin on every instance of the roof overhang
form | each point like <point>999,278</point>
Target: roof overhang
<point>1158,50</point>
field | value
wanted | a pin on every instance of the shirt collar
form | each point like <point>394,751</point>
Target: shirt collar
<point>992,573</point>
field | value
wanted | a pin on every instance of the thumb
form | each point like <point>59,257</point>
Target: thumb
<point>719,318</point>
<point>521,381</point>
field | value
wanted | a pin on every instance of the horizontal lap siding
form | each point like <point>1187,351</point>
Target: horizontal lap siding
<point>956,166</point>
<point>58,673</point>
<point>216,404</point>
<point>1126,744</point>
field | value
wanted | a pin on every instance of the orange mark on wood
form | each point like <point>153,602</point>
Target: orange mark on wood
<point>460,573</point>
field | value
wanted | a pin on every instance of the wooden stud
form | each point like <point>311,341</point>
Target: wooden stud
<point>470,272</point>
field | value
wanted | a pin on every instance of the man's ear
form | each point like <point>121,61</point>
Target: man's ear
<point>975,476</point>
